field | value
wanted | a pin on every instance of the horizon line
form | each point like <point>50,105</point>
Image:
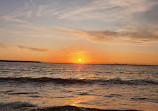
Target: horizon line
<point>78,63</point>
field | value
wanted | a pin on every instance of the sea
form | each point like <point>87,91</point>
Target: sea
<point>77,87</point>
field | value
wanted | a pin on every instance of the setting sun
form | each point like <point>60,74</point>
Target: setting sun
<point>79,60</point>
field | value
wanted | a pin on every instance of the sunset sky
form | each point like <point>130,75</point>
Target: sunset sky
<point>64,31</point>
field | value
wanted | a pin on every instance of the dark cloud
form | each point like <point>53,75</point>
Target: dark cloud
<point>141,33</point>
<point>34,49</point>
<point>102,35</point>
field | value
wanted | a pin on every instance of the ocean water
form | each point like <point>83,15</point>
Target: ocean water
<point>33,86</point>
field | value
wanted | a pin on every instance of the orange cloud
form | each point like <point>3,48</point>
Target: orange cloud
<point>3,46</point>
<point>33,49</point>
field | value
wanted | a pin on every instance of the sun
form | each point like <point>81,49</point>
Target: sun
<point>79,60</point>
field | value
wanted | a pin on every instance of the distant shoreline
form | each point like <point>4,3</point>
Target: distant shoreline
<point>19,61</point>
<point>75,63</point>
<point>105,64</point>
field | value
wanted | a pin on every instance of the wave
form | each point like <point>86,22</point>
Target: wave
<point>16,106</point>
<point>145,99</point>
<point>74,108</point>
<point>44,79</point>
<point>25,106</point>
<point>79,81</point>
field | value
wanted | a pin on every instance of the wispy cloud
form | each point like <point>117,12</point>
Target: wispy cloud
<point>131,35</point>
<point>3,46</point>
<point>126,35</point>
<point>11,19</point>
<point>108,10</point>
<point>33,48</point>
<point>22,15</point>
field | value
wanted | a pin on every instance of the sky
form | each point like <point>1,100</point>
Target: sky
<point>95,31</point>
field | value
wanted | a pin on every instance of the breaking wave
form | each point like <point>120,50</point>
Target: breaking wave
<point>75,108</point>
<point>24,106</point>
<point>79,81</point>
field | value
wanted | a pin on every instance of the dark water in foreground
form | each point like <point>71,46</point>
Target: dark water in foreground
<point>75,87</point>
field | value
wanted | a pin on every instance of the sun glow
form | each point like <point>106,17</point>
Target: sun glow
<point>79,60</point>
<point>79,57</point>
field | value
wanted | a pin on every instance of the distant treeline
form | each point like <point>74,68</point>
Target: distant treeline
<point>19,61</point>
